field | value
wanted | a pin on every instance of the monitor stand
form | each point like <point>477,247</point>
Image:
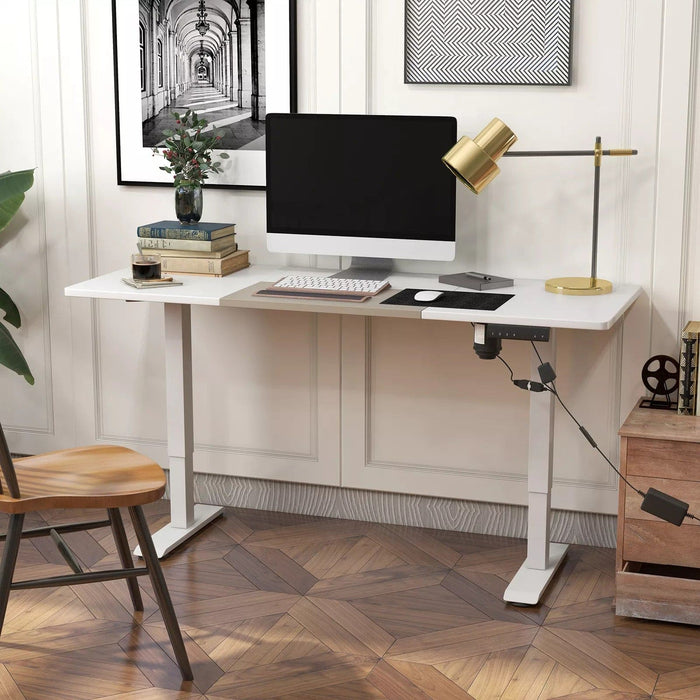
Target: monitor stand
<point>367,269</point>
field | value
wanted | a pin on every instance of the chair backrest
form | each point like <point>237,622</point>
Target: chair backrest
<point>8,468</point>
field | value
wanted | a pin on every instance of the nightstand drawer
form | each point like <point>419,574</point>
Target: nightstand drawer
<point>688,491</point>
<point>661,595</point>
<point>671,458</point>
<point>659,542</point>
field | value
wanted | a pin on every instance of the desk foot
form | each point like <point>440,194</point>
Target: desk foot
<point>169,537</point>
<point>528,584</point>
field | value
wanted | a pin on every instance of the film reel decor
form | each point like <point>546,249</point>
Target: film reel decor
<point>661,376</point>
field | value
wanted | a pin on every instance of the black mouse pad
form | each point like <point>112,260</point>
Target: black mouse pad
<point>483,301</point>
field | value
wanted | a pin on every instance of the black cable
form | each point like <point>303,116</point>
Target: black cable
<point>550,387</point>
<point>593,444</point>
<point>654,506</point>
<point>507,365</point>
<point>537,352</point>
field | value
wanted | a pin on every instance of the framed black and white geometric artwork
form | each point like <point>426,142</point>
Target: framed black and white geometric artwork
<point>231,61</point>
<point>488,42</point>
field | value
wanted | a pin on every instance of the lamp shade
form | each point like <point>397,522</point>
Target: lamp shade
<point>473,161</point>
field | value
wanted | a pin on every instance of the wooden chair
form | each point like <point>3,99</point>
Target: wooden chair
<point>101,476</point>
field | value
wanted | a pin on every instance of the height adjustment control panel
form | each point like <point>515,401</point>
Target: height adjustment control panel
<point>499,330</point>
<point>488,337</point>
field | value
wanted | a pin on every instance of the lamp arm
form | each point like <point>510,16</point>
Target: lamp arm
<point>597,153</point>
<point>608,152</point>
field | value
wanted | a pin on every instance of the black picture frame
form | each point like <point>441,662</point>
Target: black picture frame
<point>244,169</point>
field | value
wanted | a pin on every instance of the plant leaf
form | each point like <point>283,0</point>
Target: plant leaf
<point>12,189</point>
<point>8,208</point>
<point>14,183</point>
<point>11,311</point>
<point>11,356</point>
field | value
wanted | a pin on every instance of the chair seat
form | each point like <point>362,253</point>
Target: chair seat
<point>98,476</point>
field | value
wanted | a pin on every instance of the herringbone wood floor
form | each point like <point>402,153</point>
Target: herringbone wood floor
<point>277,605</point>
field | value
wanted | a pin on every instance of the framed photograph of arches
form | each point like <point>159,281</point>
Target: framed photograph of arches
<point>231,61</point>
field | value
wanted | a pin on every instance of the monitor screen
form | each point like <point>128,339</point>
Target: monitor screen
<point>358,184</point>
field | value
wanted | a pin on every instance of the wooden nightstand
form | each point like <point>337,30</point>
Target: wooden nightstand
<point>658,564</point>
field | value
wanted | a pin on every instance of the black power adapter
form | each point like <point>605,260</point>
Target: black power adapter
<point>664,506</point>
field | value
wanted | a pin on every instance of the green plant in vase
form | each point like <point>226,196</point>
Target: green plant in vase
<point>12,189</point>
<point>188,150</point>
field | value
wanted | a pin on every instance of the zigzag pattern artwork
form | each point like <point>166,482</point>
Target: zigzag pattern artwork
<point>488,42</point>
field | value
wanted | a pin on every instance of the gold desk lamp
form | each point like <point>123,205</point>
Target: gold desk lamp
<point>473,163</point>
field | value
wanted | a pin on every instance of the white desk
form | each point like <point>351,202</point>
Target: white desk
<point>531,305</point>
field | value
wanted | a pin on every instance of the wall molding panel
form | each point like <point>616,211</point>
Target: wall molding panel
<point>51,227</point>
<point>379,455</point>
<point>672,174</point>
<point>692,300</point>
<point>315,343</point>
<point>687,307</point>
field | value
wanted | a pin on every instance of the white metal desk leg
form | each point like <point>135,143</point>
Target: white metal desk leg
<point>543,557</point>
<point>186,518</point>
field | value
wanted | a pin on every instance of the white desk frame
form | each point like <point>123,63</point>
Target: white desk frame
<point>531,306</point>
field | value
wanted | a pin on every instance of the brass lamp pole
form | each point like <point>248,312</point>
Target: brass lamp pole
<point>473,162</point>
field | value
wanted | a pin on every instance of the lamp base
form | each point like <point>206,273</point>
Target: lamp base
<point>578,286</point>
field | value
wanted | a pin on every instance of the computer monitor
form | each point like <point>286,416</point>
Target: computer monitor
<point>360,185</point>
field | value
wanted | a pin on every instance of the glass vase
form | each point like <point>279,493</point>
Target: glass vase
<point>188,202</point>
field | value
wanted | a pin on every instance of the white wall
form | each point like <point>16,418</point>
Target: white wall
<point>268,385</point>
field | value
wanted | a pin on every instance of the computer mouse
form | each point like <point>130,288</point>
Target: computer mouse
<point>428,295</point>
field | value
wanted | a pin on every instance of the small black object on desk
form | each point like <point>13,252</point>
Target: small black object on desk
<point>476,280</point>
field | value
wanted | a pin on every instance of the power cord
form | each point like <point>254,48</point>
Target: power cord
<point>655,502</point>
<point>508,366</point>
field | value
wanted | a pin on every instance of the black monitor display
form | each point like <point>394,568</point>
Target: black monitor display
<point>369,176</point>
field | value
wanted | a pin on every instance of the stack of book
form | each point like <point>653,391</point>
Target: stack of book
<point>196,248</point>
<point>688,380</point>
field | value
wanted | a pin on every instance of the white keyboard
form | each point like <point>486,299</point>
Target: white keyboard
<point>337,285</point>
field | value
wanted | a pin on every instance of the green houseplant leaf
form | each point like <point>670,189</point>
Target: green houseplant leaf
<point>11,356</point>
<point>10,310</point>
<point>12,189</point>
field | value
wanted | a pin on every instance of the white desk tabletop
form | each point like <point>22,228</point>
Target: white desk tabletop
<point>530,305</point>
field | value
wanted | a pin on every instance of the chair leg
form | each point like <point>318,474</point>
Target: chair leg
<point>115,520</point>
<point>9,559</point>
<point>148,552</point>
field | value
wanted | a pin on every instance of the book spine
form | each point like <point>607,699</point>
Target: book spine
<point>183,234</point>
<point>688,379</point>
<point>180,244</point>
<point>179,253</point>
<point>203,266</point>
<point>216,274</point>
